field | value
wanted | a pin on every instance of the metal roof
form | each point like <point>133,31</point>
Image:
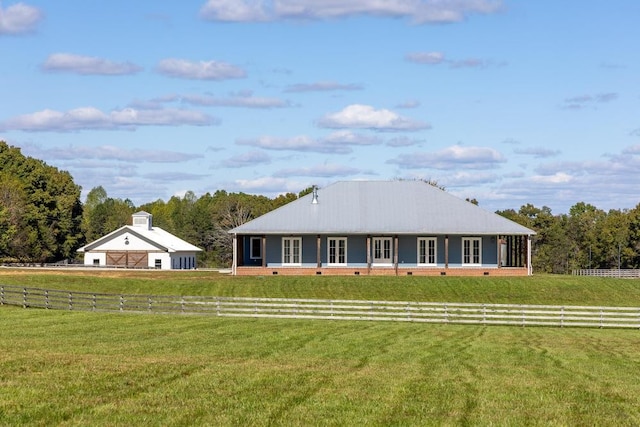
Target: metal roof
<point>381,207</point>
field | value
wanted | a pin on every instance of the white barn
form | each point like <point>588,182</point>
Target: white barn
<point>141,245</point>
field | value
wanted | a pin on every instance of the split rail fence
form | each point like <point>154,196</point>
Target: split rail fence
<point>432,312</point>
<point>624,273</point>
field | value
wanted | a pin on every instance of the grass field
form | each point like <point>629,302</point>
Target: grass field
<point>539,289</point>
<point>69,368</point>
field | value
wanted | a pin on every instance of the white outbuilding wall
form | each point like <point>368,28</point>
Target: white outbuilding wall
<point>141,246</point>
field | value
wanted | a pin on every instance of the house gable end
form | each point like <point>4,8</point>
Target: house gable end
<point>125,238</point>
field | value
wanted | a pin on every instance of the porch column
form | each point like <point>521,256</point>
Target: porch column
<point>263,242</point>
<point>234,261</point>
<point>318,248</point>
<point>446,251</point>
<point>368,254</point>
<point>529,266</point>
<point>395,254</point>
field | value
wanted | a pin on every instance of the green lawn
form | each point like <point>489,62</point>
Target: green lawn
<point>538,289</point>
<point>71,368</point>
<point>110,369</point>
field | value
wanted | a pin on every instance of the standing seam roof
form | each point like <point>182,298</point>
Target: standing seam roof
<point>384,207</point>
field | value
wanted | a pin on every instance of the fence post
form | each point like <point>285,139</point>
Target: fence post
<point>70,301</point>
<point>562,317</point>
<point>46,299</point>
<point>121,303</point>
<point>93,302</point>
<point>1,295</point>
<point>24,297</point>
<point>149,304</point>
<point>218,306</point>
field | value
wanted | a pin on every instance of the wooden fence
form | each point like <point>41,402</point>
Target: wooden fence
<point>624,273</point>
<point>433,312</point>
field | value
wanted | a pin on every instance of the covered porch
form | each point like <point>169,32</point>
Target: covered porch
<point>382,255</point>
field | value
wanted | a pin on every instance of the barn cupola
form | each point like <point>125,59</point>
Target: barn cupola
<point>142,219</point>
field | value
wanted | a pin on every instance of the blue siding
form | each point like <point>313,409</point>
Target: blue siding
<point>407,250</point>
<point>357,245</point>
<point>274,249</point>
<point>309,244</point>
<point>357,249</point>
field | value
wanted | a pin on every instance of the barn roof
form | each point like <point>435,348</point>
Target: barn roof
<point>381,207</point>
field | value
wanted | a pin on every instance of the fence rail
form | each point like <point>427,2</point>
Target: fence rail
<point>432,312</point>
<point>625,273</point>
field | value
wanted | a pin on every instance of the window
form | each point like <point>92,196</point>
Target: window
<point>337,247</point>
<point>471,251</point>
<point>256,248</point>
<point>427,251</point>
<point>158,263</point>
<point>382,250</point>
<point>291,250</point>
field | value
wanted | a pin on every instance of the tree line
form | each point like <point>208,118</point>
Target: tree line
<point>42,219</point>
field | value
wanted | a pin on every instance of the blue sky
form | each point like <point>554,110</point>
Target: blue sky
<point>508,102</point>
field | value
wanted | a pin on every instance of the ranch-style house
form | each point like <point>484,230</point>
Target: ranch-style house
<point>381,228</point>
<point>141,245</point>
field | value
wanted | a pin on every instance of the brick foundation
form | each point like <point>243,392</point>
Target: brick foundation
<point>379,271</point>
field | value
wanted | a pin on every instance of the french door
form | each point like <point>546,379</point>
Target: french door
<point>382,253</point>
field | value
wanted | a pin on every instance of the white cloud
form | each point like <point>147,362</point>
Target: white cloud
<point>244,100</point>
<point>557,178</point>
<point>437,58</point>
<point>323,171</point>
<point>336,143</point>
<point>19,18</point>
<point>579,102</point>
<point>251,158</point>
<point>296,143</point>
<point>86,118</point>
<point>172,176</point>
<point>412,103</point>
<point>235,11</point>
<point>87,65</point>
<point>538,152</point>
<point>360,116</point>
<point>322,86</point>
<point>431,58</point>
<point>346,137</point>
<point>105,154</point>
<point>469,179</point>
<point>450,158</point>
<point>418,11</point>
<point>201,70</point>
<point>269,185</point>
<point>632,150</point>
<point>403,141</point>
